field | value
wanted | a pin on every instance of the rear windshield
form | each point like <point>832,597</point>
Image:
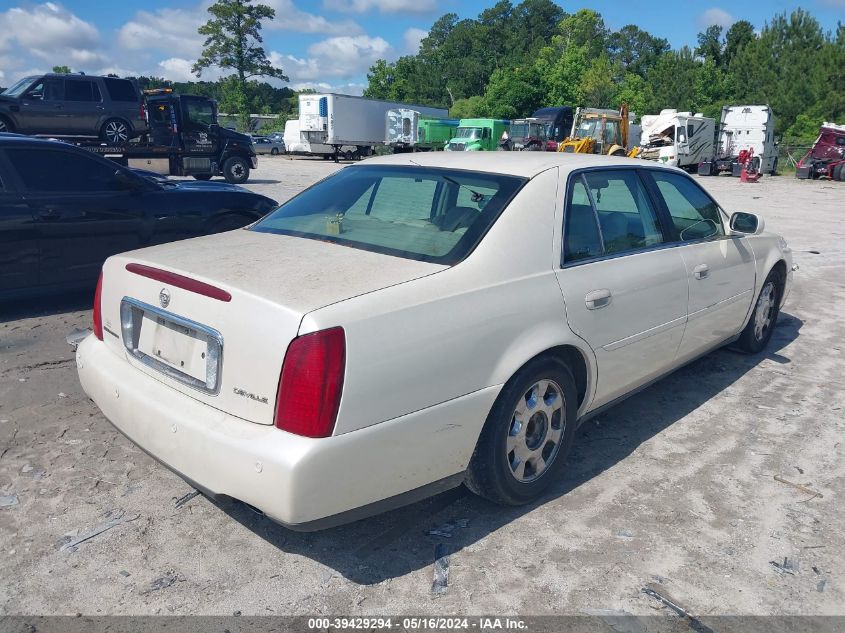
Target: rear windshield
<point>121,89</point>
<point>420,213</point>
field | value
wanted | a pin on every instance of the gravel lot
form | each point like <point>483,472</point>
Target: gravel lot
<point>675,487</point>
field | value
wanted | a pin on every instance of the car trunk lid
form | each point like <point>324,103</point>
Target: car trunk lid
<point>212,317</point>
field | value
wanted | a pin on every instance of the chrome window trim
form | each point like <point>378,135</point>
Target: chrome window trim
<point>129,336</point>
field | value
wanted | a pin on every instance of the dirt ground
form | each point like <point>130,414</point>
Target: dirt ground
<point>676,487</point>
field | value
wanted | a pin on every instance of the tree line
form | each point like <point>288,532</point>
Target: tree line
<point>513,59</point>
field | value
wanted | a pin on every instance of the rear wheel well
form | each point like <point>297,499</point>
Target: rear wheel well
<point>574,359</point>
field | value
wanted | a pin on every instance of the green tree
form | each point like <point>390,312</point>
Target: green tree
<point>62,70</point>
<point>672,81</point>
<point>585,29</point>
<point>468,108</point>
<point>740,34</point>
<point>710,44</point>
<point>561,68</point>
<point>634,91</point>
<point>233,42</point>
<point>636,50</point>
<point>513,93</point>
<point>791,66</point>
<point>597,88</point>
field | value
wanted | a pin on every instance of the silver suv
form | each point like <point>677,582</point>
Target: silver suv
<point>109,108</point>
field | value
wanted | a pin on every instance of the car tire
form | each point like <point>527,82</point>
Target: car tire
<point>203,176</point>
<point>758,331</point>
<point>837,173</point>
<point>516,459</point>
<point>115,131</point>
<point>236,170</point>
<point>274,151</point>
<point>6,125</point>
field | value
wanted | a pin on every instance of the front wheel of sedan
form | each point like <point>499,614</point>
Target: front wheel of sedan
<point>758,332</point>
<point>527,434</point>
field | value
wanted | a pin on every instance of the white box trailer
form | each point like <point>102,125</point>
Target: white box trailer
<point>679,139</point>
<point>337,120</point>
<point>401,128</point>
<point>744,128</point>
<point>296,143</point>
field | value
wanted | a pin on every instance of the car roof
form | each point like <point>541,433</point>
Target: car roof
<point>524,164</point>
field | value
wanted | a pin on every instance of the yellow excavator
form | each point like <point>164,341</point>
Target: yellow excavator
<point>598,131</point>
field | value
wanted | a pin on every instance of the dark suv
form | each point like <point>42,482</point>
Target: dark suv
<point>109,108</point>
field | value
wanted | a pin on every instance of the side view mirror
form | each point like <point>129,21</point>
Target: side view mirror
<point>747,223</point>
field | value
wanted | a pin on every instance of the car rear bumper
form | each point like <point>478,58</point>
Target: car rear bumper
<point>301,482</point>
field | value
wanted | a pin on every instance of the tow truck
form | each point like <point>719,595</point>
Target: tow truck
<point>184,139</point>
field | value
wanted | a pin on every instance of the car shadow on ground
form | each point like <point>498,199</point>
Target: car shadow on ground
<point>396,543</point>
<point>71,301</point>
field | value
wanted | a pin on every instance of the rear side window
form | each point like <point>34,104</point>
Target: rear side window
<point>49,171</point>
<point>581,229</point>
<point>609,212</point>
<point>693,212</point>
<point>121,89</point>
<point>81,90</point>
<point>420,213</point>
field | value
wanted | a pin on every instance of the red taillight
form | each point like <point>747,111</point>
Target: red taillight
<point>143,112</point>
<point>98,309</point>
<point>311,383</point>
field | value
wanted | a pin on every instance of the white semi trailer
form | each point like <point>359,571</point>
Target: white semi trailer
<point>746,133</point>
<point>343,120</point>
<point>296,143</point>
<point>679,139</point>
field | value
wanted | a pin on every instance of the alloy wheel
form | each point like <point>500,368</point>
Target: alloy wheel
<point>116,132</point>
<point>535,432</point>
<point>763,311</point>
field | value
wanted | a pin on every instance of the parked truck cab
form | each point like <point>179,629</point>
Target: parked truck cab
<point>185,139</point>
<point>477,135</point>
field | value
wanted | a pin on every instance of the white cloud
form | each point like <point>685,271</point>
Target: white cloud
<point>716,16</point>
<point>179,69</point>
<point>344,58</point>
<point>48,31</point>
<point>344,89</point>
<point>384,6</point>
<point>173,30</point>
<point>413,36</point>
<point>290,18</point>
<point>349,56</point>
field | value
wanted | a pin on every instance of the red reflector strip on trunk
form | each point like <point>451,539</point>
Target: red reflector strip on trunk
<point>180,281</point>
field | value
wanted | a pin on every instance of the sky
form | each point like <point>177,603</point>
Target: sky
<point>324,44</point>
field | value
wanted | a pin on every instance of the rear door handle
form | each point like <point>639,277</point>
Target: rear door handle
<point>702,271</point>
<point>598,299</point>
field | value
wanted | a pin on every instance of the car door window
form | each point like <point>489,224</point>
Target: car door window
<point>627,218</point>
<point>47,171</point>
<point>693,212</point>
<point>581,228</point>
<point>80,90</point>
<point>47,89</point>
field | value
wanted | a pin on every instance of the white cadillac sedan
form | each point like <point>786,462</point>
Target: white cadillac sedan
<point>416,322</point>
